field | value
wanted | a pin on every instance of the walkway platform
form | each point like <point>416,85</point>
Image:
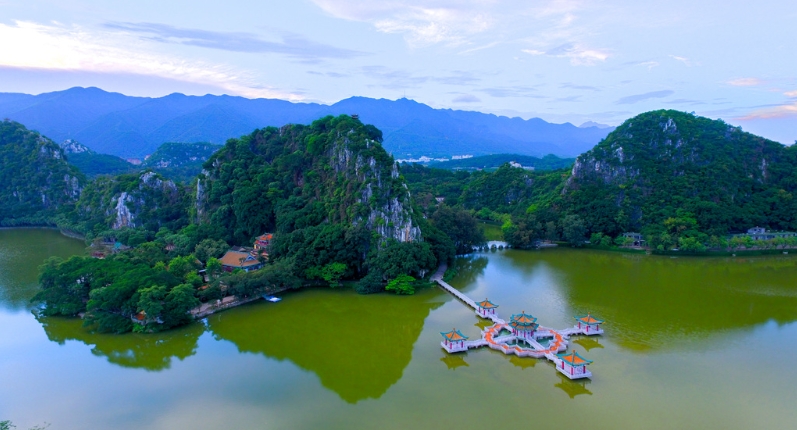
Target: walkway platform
<point>491,337</point>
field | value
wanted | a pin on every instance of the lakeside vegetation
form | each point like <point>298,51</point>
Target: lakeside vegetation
<point>342,212</point>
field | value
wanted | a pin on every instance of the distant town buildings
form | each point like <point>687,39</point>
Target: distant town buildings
<point>760,233</point>
<point>519,166</point>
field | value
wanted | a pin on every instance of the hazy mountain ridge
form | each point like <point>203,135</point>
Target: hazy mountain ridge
<point>135,126</point>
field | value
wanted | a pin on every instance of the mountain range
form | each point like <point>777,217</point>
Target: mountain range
<point>133,127</point>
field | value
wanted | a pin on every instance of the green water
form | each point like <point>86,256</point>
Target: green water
<point>689,343</point>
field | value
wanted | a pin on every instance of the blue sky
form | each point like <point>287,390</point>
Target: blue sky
<point>573,61</point>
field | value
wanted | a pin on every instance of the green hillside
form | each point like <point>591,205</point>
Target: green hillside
<point>180,161</point>
<point>668,164</point>
<point>35,179</point>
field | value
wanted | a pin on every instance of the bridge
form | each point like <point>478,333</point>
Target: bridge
<point>543,342</point>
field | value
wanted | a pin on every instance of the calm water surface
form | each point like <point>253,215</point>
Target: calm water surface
<point>689,343</point>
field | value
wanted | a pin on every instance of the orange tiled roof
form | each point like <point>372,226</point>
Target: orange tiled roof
<point>233,259</point>
<point>523,318</point>
<point>487,304</point>
<point>574,359</point>
<point>454,335</point>
<point>588,319</point>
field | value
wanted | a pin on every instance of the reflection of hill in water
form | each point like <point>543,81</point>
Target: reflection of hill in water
<point>144,351</point>
<point>357,345</point>
<point>649,301</point>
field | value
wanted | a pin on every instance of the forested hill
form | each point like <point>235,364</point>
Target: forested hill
<point>133,127</point>
<point>180,161</point>
<point>35,179</point>
<point>672,165</point>
<point>329,191</point>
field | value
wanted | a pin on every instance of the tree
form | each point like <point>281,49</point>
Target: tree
<point>574,230</point>
<point>182,266</point>
<point>151,301</point>
<point>213,267</point>
<point>210,248</point>
<point>460,226</point>
<point>402,284</point>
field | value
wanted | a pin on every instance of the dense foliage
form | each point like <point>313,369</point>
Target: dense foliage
<point>667,168</point>
<point>180,161</point>
<point>35,179</point>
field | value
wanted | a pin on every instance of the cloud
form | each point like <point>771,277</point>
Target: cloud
<point>391,78</point>
<point>649,64</point>
<point>291,44</point>
<point>515,91</point>
<point>75,48</point>
<point>466,98</point>
<point>787,110</point>
<point>744,82</point>
<point>568,99</point>
<point>578,54</point>
<point>646,96</point>
<point>685,102</point>
<point>791,94</point>
<point>579,87</point>
<point>421,22</point>
<point>683,60</point>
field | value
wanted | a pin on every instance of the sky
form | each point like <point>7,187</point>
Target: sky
<point>561,60</point>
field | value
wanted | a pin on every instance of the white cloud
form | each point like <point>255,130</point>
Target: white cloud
<point>73,48</point>
<point>782,111</point>
<point>484,23</point>
<point>578,54</point>
<point>792,94</point>
<point>745,82</point>
<point>682,60</point>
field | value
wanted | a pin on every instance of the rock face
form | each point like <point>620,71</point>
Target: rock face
<point>387,197</point>
<point>74,147</point>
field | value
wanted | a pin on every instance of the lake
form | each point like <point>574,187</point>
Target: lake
<point>690,343</point>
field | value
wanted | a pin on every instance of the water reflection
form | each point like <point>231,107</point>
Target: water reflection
<point>651,302</point>
<point>22,251</point>
<point>572,388</point>
<point>357,345</point>
<point>588,343</point>
<point>452,361</point>
<point>152,352</point>
<point>469,268</point>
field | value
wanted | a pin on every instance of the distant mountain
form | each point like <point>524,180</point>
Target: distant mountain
<point>133,127</point>
<point>589,124</point>
<point>93,164</point>
<point>549,162</point>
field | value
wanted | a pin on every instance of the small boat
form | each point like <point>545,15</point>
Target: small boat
<point>271,298</point>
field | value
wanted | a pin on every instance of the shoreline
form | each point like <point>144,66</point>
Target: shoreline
<point>67,233</point>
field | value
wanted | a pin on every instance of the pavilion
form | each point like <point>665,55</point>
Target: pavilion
<point>486,307</point>
<point>573,365</point>
<point>589,324</point>
<point>523,325</point>
<point>454,341</point>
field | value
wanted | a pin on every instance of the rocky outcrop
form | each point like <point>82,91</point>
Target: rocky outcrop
<point>382,191</point>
